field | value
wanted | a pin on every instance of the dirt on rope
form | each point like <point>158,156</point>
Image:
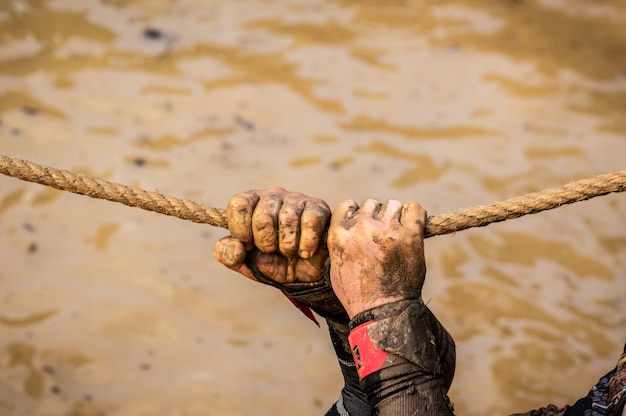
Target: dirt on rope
<point>477,216</point>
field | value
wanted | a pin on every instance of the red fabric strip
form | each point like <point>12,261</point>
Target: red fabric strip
<point>367,357</point>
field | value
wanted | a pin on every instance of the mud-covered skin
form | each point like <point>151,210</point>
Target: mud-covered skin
<point>377,272</point>
<point>377,253</point>
<point>280,233</point>
<point>279,238</point>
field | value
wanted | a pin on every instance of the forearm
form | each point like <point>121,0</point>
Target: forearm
<point>352,400</point>
<point>403,390</point>
<point>405,359</point>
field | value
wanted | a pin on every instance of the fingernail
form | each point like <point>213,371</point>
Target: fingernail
<point>305,254</point>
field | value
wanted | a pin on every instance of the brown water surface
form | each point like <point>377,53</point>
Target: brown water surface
<point>110,310</point>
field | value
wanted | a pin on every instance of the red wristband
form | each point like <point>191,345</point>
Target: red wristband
<point>367,356</point>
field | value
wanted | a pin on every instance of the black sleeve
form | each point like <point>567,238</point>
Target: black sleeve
<point>607,397</point>
<point>420,360</point>
<point>352,400</point>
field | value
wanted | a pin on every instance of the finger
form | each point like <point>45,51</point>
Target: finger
<point>289,224</point>
<point>313,222</point>
<point>239,215</point>
<point>371,208</point>
<point>345,211</point>
<point>232,254</point>
<point>413,216</point>
<point>229,251</point>
<point>390,210</point>
<point>311,270</point>
<point>264,222</point>
<point>275,267</point>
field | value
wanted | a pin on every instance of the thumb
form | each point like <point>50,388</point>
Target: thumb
<point>232,253</point>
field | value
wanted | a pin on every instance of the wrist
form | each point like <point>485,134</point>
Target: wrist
<point>355,309</point>
<point>387,310</point>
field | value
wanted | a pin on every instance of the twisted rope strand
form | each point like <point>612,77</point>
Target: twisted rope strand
<point>477,216</point>
<point>103,189</point>
<point>531,203</point>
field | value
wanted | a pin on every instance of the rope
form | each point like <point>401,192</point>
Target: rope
<point>477,216</point>
<point>115,192</point>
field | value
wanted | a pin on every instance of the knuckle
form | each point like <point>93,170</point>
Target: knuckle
<point>274,192</point>
<point>315,217</point>
<point>238,202</point>
<point>242,204</point>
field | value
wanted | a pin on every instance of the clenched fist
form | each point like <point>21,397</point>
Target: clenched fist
<point>276,236</point>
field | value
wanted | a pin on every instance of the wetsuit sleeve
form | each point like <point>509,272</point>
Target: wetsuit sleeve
<point>405,359</point>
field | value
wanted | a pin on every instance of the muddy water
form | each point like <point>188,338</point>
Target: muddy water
<point>110,310</point>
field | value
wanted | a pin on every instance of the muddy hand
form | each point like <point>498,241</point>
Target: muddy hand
<point>376,253</point>
<point>275,233</point>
